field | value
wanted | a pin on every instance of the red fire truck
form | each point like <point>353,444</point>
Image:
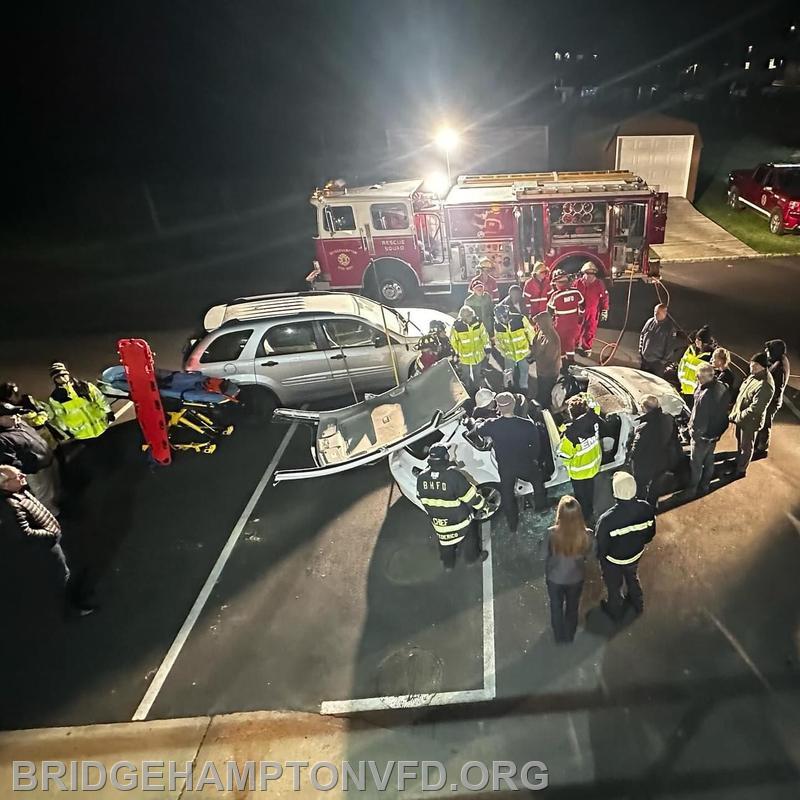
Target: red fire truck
<point>393,239</point>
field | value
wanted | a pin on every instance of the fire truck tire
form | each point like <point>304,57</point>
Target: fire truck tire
<point>258,403</point>
<point>390,282</point>
<point>776,223</point>
<point>733,200</point>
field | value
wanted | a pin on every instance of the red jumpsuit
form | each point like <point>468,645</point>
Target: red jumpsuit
<point>595,296</point>
<point>535,293</point>
<point>489,283</point>
<point>567,307</point>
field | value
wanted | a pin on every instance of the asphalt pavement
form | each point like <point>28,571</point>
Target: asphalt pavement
<point>333,592</point>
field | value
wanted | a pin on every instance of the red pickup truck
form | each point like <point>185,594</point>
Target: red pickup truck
<point>771,189</point>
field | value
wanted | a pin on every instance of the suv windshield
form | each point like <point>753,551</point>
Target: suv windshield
<point>371,311</point>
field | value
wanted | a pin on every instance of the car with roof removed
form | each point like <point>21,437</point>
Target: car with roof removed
<point>301,347</point>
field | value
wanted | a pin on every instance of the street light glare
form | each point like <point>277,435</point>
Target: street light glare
<point>437,183</point>
<point>446,138</point>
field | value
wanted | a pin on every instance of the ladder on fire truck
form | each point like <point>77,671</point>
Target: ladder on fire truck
<point>531,183</point>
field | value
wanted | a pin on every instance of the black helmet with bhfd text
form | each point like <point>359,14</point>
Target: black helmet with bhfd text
<point>558,276</point>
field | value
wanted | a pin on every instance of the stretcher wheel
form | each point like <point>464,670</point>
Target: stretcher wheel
<point>227,431</point>
<point>209,448</point>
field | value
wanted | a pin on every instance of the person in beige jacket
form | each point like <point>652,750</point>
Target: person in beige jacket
<point>750,410</point>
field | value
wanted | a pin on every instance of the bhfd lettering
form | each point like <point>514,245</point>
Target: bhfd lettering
<point>437,486</point>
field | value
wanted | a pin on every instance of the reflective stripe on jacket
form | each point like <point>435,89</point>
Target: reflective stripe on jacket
<point>469,341</point>
<point>687,368</point>
<point>449,498</point>
<point>78,416</point>
<point>514,340</point>
<point>580,448</point>
<point>623,531</point>
<point>566,302</point>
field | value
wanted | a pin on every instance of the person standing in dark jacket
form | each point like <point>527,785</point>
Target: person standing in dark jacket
<point>22,447</point>
<point>749,412</point>
<point>36,524</point>
<point>709,420</point>
<point>622,533</point>
<point>779,368</point>
<point>546,352</point>
<point>654,450</point>
<point>568,543</point>
<point>516,447</point>
<point>657,341</point>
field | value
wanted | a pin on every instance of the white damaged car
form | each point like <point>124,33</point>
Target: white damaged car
<point>428,409</point>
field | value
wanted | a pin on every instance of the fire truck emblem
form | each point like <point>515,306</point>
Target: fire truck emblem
<point>343,259</point>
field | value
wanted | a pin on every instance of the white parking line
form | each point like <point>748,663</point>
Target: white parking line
<point>123,409</point>
<point>441,698</point>
<point>737,646</point>
<point>183,634</point>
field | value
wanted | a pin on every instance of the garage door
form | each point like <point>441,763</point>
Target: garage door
<point>661,160</point>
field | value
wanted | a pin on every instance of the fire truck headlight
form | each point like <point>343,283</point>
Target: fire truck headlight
<point>437,183</point>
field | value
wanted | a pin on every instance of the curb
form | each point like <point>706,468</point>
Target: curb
<point>727,258</point>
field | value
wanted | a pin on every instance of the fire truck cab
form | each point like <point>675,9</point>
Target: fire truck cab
<point>394,238</point>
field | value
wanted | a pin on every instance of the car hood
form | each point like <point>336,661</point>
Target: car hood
<point>638,384</point>
<point>420,320</point>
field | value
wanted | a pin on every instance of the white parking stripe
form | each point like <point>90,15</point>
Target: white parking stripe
<point>441,698</point>
<point>183,634</point>
<point>489,681</point>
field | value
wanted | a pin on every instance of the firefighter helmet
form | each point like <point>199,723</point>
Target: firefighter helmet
<point>538,267</point>
<point>589,267</point>
<point>438,452</point>
<point>559,275</point>
<point>437,326</point>
<point>428,342</point>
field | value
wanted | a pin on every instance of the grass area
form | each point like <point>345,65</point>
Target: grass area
<point>747,225</point>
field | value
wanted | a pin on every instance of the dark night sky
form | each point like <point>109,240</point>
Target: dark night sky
<point>111,88</point>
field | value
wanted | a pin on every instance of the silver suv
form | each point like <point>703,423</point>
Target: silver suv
<point>289,349</point>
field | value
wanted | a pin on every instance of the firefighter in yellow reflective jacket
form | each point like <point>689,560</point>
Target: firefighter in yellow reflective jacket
<point>76,408</point>
<point>470,343</point>
<point>513,335</point>
<point>581,451</point>
<point>451,500</point>
<point>698,352</point>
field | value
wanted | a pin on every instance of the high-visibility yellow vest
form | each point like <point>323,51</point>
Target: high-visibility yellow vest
<point>77,416</point>
<point>582,455</point>
<point>469,341</point>
<point>514,339</point>
<point>687,368</point>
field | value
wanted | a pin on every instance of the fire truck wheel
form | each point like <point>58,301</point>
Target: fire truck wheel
<point>389,284</point>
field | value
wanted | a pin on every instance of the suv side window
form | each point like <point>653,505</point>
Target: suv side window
<point>294,337</point>
<point>341,218</point>
<point>350,333</point>
<point>227,347</point>
<point>759,174</point>
<point>389,216</point>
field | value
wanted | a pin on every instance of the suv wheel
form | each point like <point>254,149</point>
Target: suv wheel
<point>491,497</point>
<point>733,200</point>
<point>258,403</point>
<point>776,223</point>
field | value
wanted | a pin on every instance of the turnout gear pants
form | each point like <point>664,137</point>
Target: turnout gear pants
<point>614,575</point>
<point>569,331</point>
<point>589,328</point>
<point>564,602</point>
<point>470,544</point>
